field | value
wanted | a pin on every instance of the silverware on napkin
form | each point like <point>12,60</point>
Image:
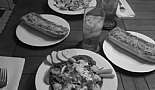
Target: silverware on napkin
<point>3,77</point>
<point>122,8</point>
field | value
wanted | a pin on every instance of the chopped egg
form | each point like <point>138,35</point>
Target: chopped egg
<point>83,71</point>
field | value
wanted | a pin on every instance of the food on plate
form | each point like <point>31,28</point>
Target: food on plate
<point>54,57</point>
<point>67,53</point>
<point>133,44</point>
<point>86,58</point>
<point>71,5</point>
<point>49,59</point>
<point>79,72</point>
<point>44,26</point>
<point>60,56</point>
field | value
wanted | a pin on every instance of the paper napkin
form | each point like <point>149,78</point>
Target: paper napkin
<point>14,67</point>
<point>127,12</point>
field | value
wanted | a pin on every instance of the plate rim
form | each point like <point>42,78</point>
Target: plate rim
<point>49,44</point>
<point>80,50</point>
<point>136,71</point>
<point>78,12</point>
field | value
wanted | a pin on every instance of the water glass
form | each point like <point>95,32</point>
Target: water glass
<point>92,27</point>
<point>110,7</point>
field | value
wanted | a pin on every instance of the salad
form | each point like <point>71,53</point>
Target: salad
<point>78,72</point>
<point>71,5</point>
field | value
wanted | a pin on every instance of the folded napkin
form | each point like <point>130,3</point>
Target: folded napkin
<point>127,12</point>
<point>14,67</point>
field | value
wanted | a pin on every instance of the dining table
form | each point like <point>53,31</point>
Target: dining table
<point>143,22</point>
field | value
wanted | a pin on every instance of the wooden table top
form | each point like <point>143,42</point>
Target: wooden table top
<point>143,22</point>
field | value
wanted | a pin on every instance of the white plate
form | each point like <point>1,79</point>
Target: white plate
<point>52,2</point>
<point>108,84</point>
<point>35,38</point>
<point>125,60</point>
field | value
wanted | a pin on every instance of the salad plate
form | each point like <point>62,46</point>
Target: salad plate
<point>80,10</point>
<point>108,84</point>
<point>125,60</point>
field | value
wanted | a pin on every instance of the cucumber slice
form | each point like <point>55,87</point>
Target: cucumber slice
<point>60,56</point>
<point>54,58</point>
<point>68,53</point>
<point>49,59</point>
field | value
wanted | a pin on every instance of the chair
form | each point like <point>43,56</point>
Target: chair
<point>6,8</point>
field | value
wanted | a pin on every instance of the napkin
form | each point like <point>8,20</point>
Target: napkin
<point>127,12</point>
<point>14,67</point>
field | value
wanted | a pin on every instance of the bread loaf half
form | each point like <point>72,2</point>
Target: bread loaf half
<point>133,44</point>
<point>44,26</point>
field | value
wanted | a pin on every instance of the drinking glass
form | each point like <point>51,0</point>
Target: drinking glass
<point>92,27</point>
<point>109,7</point>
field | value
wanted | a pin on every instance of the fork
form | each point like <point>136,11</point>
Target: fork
<point>121,5</point>
<point>3,77</point>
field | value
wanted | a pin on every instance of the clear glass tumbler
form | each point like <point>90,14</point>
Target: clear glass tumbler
<point>109,7</point>
<point>92,28</point>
